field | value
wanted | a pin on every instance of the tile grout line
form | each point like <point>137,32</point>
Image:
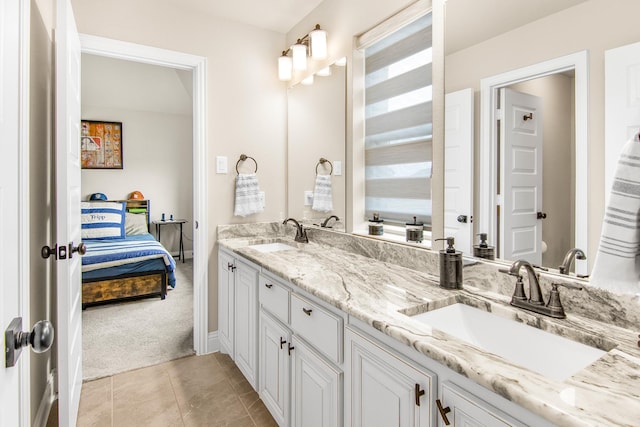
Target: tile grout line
<point>173,390</point>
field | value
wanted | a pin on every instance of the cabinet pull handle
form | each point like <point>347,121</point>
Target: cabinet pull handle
<point>419,393</point>
<point>282,342</point>
<point>443,412</point>
<point>231,267</point>
<point>307,311</point>
<point>290,348</point>
<point>268,285</point>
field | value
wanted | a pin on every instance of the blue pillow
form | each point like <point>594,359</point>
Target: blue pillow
<point>103,220</point>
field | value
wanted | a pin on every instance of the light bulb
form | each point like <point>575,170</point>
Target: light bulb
<point>318,39</point>
<point>284,68</point>
<point>299,52</point>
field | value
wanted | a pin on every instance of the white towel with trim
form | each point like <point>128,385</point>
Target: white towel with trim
<point>322,196</point>
<point>248,196</point>
<point>617,263</point>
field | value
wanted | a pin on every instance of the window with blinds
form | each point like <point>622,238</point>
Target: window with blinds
<point>398,125</point>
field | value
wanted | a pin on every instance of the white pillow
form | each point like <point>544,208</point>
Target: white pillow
<point>103,220</point>
<point>135,224</point>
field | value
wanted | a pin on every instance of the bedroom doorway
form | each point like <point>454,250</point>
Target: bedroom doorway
<point>190,71</point>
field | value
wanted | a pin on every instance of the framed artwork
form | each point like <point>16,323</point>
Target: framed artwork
<point>101,145</point>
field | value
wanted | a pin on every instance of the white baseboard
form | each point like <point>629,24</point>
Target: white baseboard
<point>213,343</point>
<point>48,397</point>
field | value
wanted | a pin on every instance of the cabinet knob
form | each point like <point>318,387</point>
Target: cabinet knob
<point>307,311</point>
<point>419,393</point>
<point>268,285</point>
<point>443,412</point>
<point>282,342</point>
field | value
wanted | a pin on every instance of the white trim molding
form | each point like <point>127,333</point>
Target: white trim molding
<point>198,65</point>
<point>46,402</point>
<point>488,191</point>
<point>213,342</point>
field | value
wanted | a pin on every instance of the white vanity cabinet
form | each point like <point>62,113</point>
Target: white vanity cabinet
<point>238,313</point>
<point>300,352</point>
<point>382,389</point>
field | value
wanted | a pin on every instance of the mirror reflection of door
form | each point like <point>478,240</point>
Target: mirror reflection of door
<point>548,176</point>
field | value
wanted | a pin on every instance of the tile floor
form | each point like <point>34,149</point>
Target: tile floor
<point>193,391</point>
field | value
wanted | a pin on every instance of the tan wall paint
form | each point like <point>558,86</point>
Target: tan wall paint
<point>596,25</point>
<point>246,102</point>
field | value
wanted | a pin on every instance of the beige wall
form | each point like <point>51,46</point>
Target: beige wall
<point>596,26</point>
<point>40,188</point>
<point>246,101</point>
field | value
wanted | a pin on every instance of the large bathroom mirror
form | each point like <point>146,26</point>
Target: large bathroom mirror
<point>316,146</point>
<point>485,41</point>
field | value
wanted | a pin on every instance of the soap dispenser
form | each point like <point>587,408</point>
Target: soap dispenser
<point>450,266</point>
<point>483,250</point>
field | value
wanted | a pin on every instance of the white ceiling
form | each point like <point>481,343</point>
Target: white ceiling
<point>274,15</point>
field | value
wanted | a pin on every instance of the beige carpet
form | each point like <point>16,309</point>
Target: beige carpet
<point>131,335</point>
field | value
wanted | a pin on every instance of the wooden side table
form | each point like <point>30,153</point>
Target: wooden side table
<point>179,222</point>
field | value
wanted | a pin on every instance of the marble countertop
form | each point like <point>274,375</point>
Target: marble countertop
<point>383,295</point>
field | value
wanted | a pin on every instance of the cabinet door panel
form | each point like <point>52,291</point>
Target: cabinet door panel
<point>468,410</point>
<point>225,302</point>
<point>274,368</point>
<point>246,322</point>
<point>381,389</point>
<point>315,389</point>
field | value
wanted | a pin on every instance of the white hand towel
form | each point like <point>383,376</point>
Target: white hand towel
<point>322,197</point>
<point>248,195</point>
<point>617,263</point>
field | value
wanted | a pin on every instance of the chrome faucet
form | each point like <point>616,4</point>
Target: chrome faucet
<point>326,221</point>
<point>568,259</point>
<point>552,308</point>
<point>301,233</point>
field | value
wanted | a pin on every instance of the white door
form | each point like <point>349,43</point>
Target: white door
<point>226,294</point>
<point>274,368</point>
<point>621,104</point>
<point>315,389</point>
<point>458,169</point>
<point>521,142</point>
<point>246,322</point>
<point>14,381</point>
<point>68,271</point>
<point>383,390</point>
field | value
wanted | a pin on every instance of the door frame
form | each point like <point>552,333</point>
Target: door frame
<point>488,190</point>
<point>198,65</point>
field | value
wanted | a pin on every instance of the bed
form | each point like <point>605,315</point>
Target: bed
<point>123,261</point>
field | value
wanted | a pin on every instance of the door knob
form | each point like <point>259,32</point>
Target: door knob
<point>81,249</point>
<point>47,251</point>
<point>541,215</point>
<point>40,339</point>
<point>462,219</point>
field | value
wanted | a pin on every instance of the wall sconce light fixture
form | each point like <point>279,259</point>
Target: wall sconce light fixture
<point>313,44</point>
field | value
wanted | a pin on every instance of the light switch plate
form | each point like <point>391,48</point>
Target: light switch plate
<point>308,198</point>
<point>337,167</point>
<point>222,165</point>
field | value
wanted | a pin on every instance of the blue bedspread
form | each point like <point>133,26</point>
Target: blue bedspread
<point>114,257</point>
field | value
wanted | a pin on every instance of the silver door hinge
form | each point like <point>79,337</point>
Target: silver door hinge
<point>499,114</point>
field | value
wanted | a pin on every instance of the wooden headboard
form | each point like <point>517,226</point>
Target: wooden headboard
<point>139,206</point>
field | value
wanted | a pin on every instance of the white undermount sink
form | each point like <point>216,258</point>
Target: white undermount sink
<point>272,247</point>
<point>551,355</point>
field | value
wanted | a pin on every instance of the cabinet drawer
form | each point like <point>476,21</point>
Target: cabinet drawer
<point>317,326</point>
<point>274,298</point>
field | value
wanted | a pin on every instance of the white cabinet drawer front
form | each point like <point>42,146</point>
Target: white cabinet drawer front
<point>274,298</point>
<point>317,326</point>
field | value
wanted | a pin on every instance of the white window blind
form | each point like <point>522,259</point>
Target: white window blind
<point>398,124</point>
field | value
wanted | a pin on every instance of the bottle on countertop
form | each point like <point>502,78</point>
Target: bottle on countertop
<point>375,225</point>
<point>483,250</point>
<point>414,231</point>
<point>450,266</point>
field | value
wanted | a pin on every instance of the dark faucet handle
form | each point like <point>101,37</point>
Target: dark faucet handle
<point>509,272</point>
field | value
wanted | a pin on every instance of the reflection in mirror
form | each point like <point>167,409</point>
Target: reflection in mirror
<point>316,132</point>
<point>481,38</point>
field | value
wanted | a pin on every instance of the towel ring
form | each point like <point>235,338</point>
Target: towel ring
<point>323,161</point>
<point>244,157</point>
